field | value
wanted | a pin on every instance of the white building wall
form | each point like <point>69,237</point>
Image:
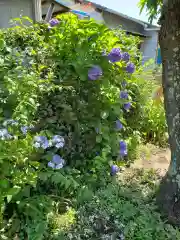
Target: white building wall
<point>149,46</point>
<point>115,21</point>
<point>10,9</point>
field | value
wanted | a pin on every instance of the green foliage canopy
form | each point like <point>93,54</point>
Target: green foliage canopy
<point>153,8</point>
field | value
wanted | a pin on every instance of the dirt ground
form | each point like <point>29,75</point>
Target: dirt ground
<point>152,157</point>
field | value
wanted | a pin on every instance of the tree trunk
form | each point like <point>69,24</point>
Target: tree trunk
<point>168,197</point>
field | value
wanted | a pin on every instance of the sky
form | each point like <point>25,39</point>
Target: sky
<point>127,7</point>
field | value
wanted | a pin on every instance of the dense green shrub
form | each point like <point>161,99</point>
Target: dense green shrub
<point>68,102</point>
<point>46,90</point>
<point>152,125</point>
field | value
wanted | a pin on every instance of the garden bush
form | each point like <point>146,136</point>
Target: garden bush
<point>68,98</point>
<point>152,125</point>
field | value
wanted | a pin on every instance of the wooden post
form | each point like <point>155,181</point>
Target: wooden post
<point>37,10</point>
<point>50,12</point>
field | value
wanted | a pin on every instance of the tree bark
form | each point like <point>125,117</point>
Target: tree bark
<point>168,197</point>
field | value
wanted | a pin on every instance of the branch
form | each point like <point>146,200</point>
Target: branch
<point>153,8</point>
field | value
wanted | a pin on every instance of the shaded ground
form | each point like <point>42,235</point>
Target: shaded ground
<point>122,209</point>
<point>153,157</point>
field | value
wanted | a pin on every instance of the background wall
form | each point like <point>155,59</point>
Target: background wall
<point>149,46</point>
<point>10,9</point>
<point>113,21</point>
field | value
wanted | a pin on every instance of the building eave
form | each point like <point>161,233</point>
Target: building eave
<point>152,29</point>
<point>137,34</point>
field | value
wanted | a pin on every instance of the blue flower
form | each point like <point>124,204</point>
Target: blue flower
<point>11,122</point>
<point>24,129</point>
<point>51,164</point>
<point>114,170</point>
<point>53,22</point>
<point>119,125</point>
<point>125,57</point>
<point>123,149</point>
<point>57,162</point>
<point>57,159</point>
<point>95,73</point>
<point>127,106</point>
<point>130,68</point>
<point>58,141</point>
<point>4,134</point>
<point>124,95</point>
<point>41,142</point>
<point>115,55</point>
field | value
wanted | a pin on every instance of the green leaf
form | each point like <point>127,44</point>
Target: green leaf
<point>1,61</point>
<point>13,191</point>
<point>4,183</point>
<point>44,176</point>
<point>67,184</point>
<point>32,101</point>
<point>104,115</point>
<point>2,43</point>
<point>58,178</point>
<point>99,139</point>
<point>28,19</point>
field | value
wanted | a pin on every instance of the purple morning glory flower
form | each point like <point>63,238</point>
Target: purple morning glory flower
<point>124,95</point>
<point>11,122</point>
<point>57,162</point>
<point>127,106</point>
<point>123,148</point>
<point>114,170</point>
<point>125,57</point>
<point>53,22</point>
<point>130,68</point>
<point>41,142</point>
<point>94,73</point>
<point>115,55</point>
<point>119,125</point>
<point>4,134</point>
<point>58,141</point>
